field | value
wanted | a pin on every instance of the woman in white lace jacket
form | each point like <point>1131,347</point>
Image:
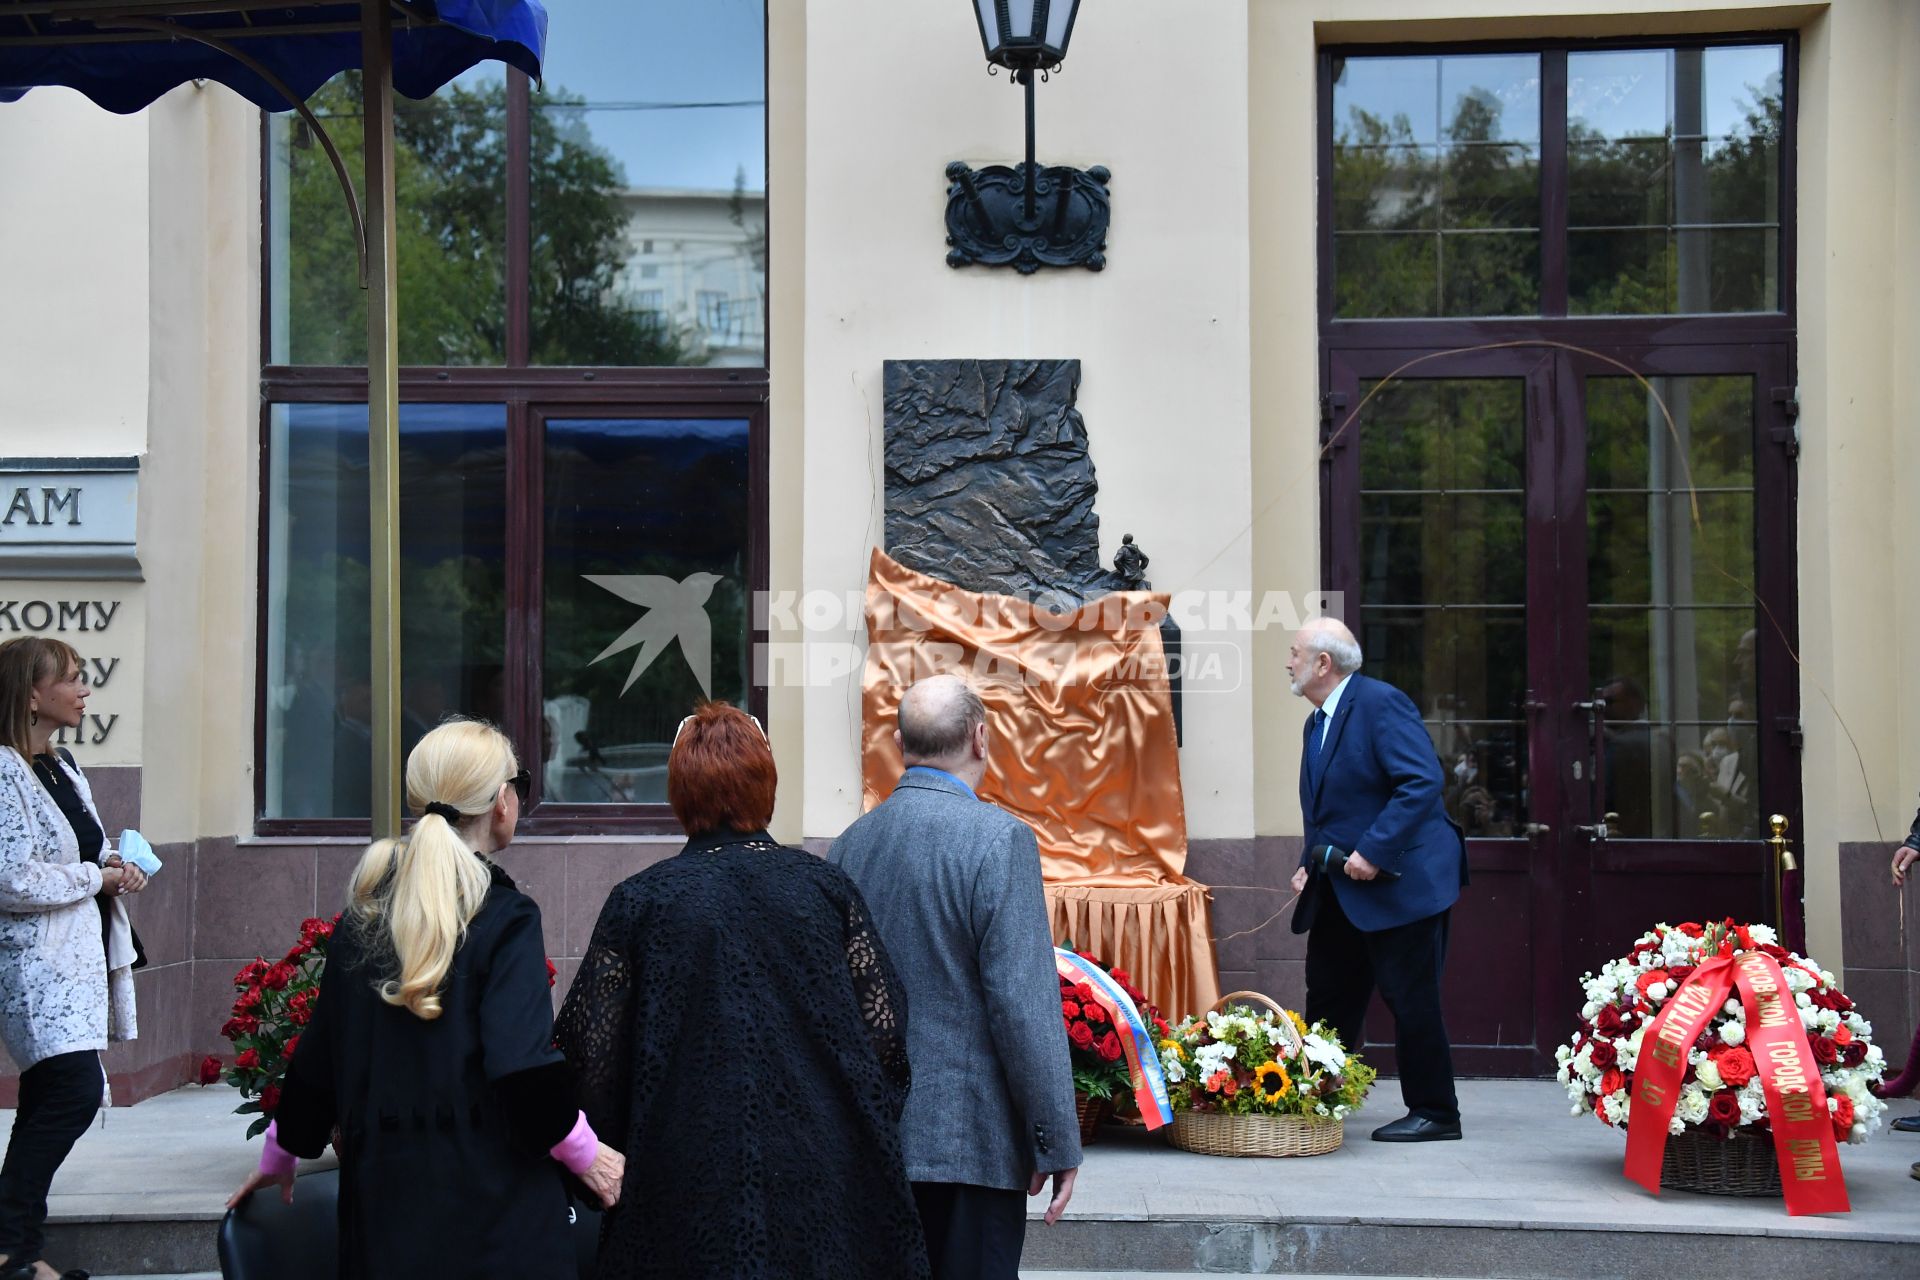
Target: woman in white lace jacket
<point>66,982</point>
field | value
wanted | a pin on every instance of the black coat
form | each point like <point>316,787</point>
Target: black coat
<point>435,1178</point>
<point>738,1031</point>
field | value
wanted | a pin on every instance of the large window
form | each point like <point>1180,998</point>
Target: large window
<point>1558,435</point>
<point>582,302</point>
<point>1569,181</point>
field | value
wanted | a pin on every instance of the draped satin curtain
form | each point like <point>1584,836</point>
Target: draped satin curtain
<point>1081,747</point>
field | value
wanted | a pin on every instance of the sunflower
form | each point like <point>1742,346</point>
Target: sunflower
<point>1298,1021</point>
<point>1270,1082</point>
<point>1174,1045</point>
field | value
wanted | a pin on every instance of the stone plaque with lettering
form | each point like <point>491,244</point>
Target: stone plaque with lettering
<point>69,518</point>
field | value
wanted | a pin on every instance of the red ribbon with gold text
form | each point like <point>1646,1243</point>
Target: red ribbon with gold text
<point>1789,1075</point>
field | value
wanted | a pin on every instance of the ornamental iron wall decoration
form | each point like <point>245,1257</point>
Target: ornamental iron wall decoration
<point>995,220</point>
<point>1023,216</point>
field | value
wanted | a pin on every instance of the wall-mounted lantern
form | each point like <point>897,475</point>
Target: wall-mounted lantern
<point>1026,217</point>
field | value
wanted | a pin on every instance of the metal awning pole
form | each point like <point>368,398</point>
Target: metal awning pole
<point>383,412</point>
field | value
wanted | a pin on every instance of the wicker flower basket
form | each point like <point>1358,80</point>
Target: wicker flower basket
<point>1092,1111</point>
<point>1210,1133</point>
<point>1742,1165</point>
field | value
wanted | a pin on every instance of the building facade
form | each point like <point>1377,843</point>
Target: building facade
<point>1564,341</point>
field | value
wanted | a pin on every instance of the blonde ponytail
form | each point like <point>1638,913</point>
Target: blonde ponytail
<point>415,897</point>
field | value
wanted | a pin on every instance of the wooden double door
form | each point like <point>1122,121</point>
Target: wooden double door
<point>1579,564</point>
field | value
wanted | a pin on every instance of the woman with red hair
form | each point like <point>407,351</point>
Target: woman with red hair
<point>738,1032</point>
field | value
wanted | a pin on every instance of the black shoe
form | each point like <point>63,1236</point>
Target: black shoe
<point>1906,1124</point>
<point>1418,1129</point>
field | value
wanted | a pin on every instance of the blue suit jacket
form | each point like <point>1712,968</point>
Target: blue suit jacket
<point>1377,788</point>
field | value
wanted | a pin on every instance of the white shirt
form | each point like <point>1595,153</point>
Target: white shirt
<point>1332,702</point>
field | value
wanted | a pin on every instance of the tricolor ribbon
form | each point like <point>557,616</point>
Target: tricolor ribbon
<point>1143,1064</point>
<point>1789,1075</point>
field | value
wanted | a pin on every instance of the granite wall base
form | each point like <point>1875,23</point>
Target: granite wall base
<point>220,902</point>
<point>1880,931</point>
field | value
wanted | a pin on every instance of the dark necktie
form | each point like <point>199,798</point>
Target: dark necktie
<point>1319,731</point>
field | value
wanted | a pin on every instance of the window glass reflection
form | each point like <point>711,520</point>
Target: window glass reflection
<point>1436,185</point>
<point>1671,623</point>
<point>645,586</point>
<point>452,589</point>
<point>449,234</point>
<point>649,186</point>
<point>1673,159</point>
<point>1443,579</point>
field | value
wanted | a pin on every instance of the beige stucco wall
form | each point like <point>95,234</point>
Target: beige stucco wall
<point>73,335</point>
<point>1198,346</point>
<point>130,250</point>
<point>1859,328</point>
<point>1859,557</point>
<point>1161,333</point>
<point>74,357</point>
<point>199,534</point>
<point>787,347</point>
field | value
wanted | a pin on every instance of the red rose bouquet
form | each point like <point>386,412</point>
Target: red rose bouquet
<point>1721,1089</point>
<point>1099,1062</point>
<point>275,1004</point>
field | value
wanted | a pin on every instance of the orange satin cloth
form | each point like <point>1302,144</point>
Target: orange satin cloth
<point>1162,936</point>
<point>1082,748</point>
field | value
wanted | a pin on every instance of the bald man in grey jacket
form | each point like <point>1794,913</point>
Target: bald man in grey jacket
<point>953,885</point>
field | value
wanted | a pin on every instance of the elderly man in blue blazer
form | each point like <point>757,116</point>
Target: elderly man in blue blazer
<point>953,884</point>
<point>1381,871</point>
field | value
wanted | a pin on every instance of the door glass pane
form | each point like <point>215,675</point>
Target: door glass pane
<point>645,582</point>
<point>1443,579</point>
<point>450,190</point>
<point>1672,625</point>
<point>1673,168</point>
<point>649,186</point>
<point>452,589</point>
<point>1436,185</point>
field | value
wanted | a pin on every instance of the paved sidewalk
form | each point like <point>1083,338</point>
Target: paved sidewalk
<point>173,1157</point>
<point>1525,1164</point>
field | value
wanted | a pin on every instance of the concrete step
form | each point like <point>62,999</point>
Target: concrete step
<point>1530,1193</point>
<point>1440,1252</point>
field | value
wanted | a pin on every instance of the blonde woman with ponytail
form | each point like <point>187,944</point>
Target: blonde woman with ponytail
<point>431,1047</point>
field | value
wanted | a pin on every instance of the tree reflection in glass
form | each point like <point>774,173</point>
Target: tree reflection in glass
<point>1436,186</point>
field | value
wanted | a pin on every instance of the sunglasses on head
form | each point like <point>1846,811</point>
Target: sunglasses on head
<point>690,719</point>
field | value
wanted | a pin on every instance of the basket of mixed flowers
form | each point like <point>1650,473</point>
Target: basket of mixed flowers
<point>1101,1076</point>
<point>1246,1082</point>
<point>1723,1044</point>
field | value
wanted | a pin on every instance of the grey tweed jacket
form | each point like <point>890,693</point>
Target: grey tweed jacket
<point>953,884</point>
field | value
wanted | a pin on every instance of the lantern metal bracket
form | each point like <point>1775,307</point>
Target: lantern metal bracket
<point>1026,217</point>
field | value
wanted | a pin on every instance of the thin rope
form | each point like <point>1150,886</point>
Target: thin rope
<point>1693,503</point>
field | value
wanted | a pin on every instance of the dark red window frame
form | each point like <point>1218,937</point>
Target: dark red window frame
<point>524,389</point>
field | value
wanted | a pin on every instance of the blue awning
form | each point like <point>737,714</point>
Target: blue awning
<point>119,61</point>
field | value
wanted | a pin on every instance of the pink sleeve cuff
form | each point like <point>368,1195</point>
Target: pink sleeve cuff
<point>577,1150</point>
<point>275,1160</point>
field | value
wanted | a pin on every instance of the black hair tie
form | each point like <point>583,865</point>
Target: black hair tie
<point>446,811</point>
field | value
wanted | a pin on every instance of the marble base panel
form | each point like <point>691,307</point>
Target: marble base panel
<point>1880,935</point>
<point>221,902</point>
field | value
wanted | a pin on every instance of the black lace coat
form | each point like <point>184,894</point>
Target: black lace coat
<point>737,1030</point>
